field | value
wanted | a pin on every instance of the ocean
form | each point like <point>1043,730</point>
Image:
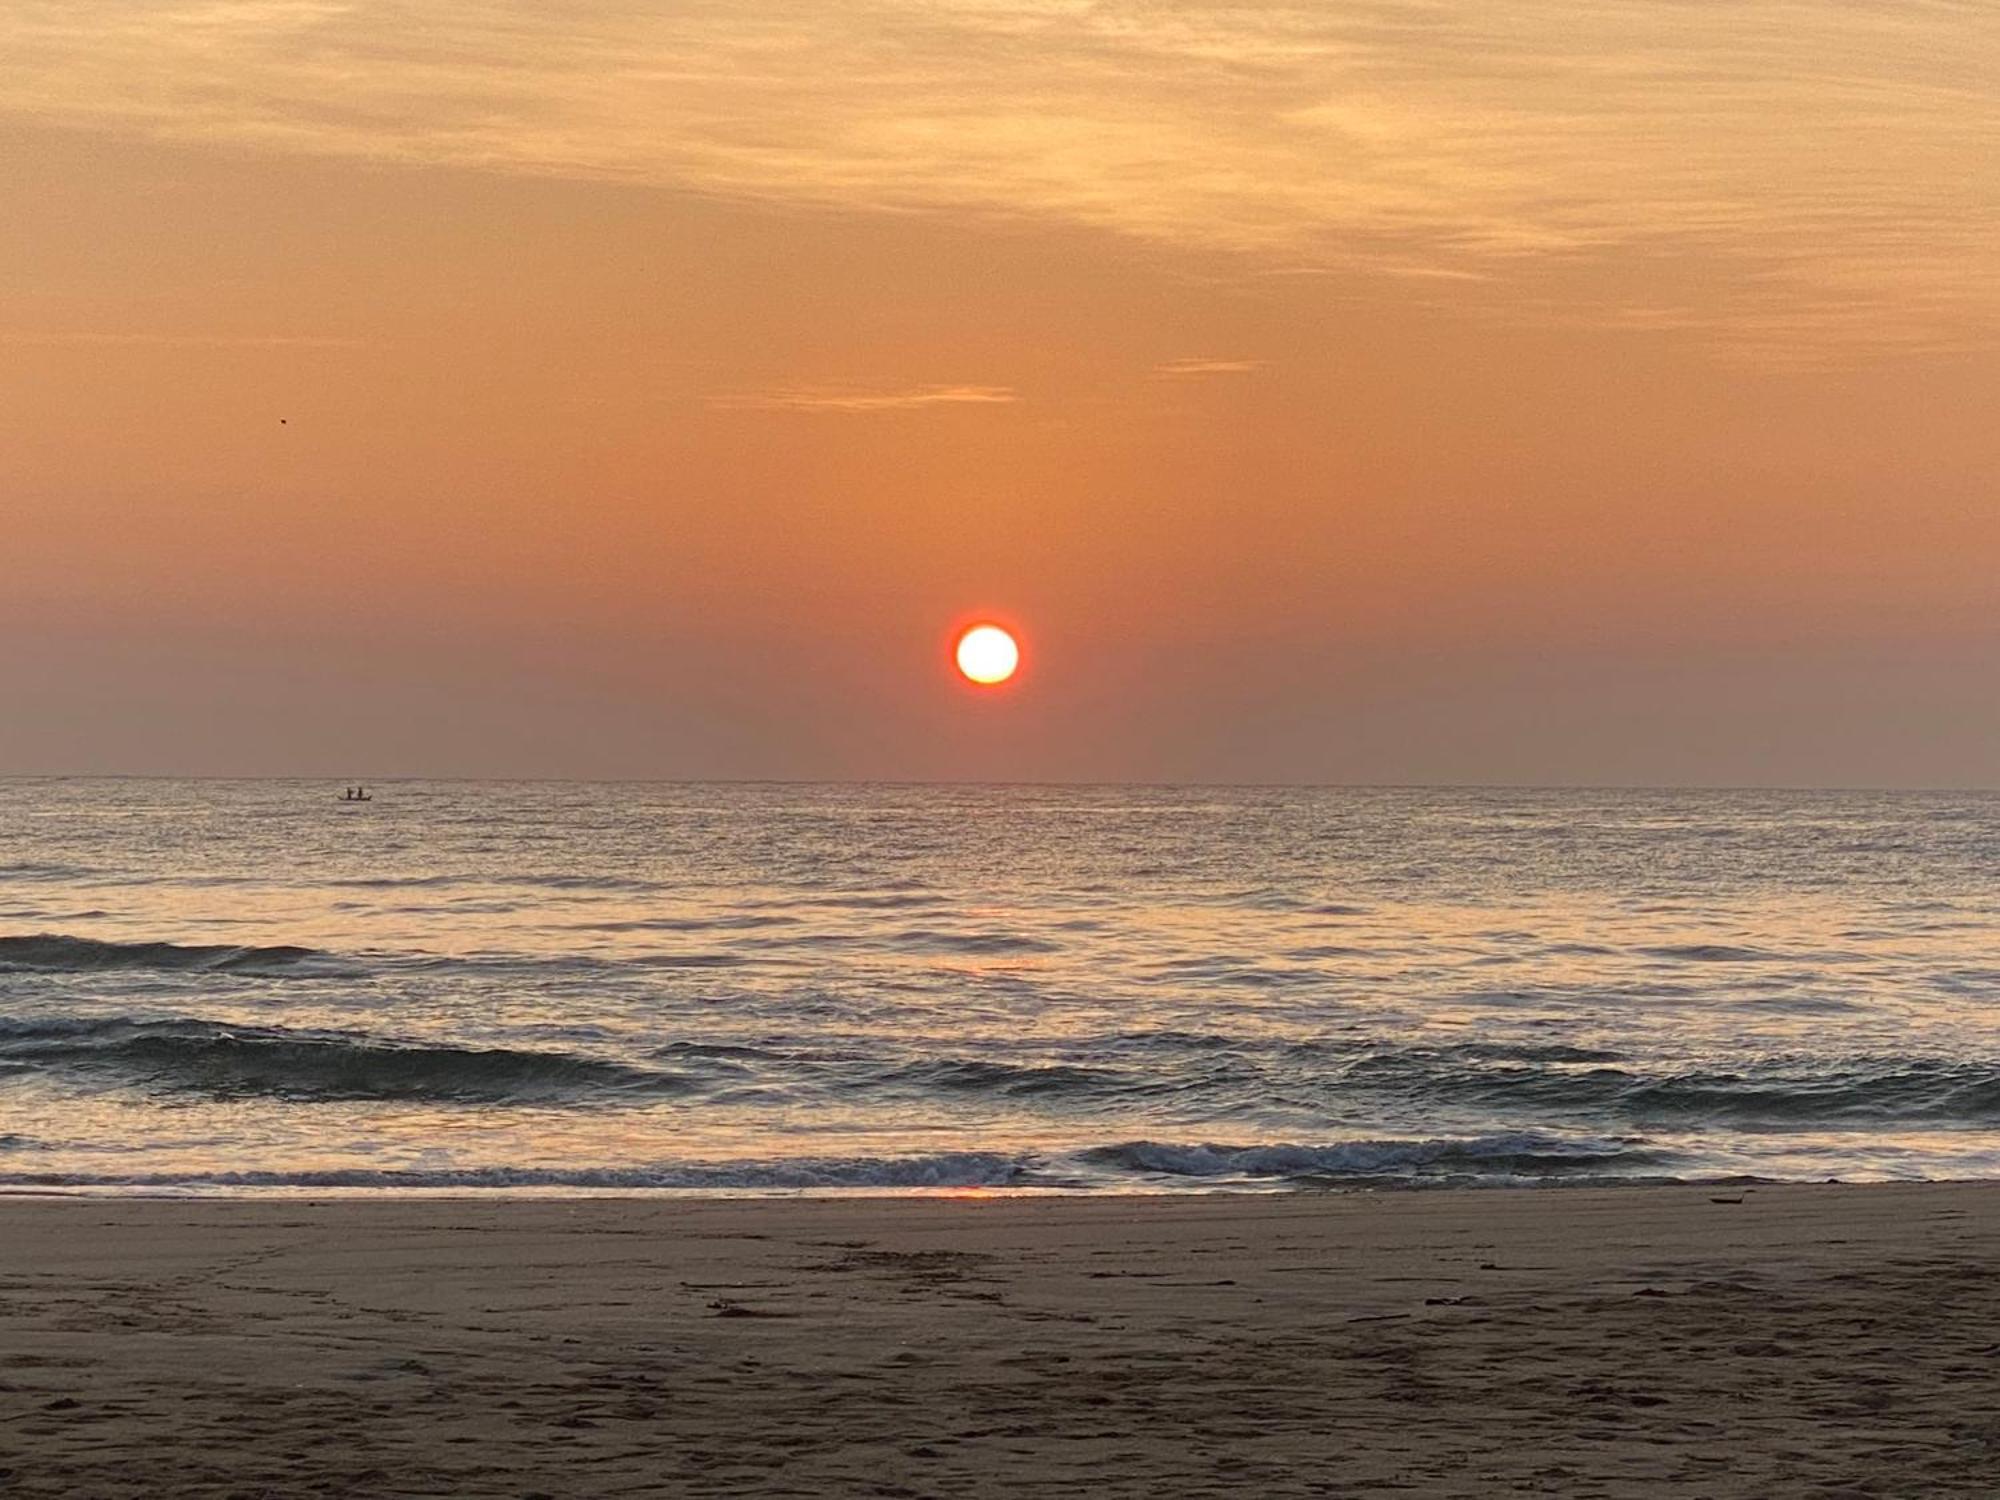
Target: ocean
<point>539,987</point>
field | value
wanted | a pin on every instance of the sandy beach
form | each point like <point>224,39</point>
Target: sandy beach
<point>1800,1341</point>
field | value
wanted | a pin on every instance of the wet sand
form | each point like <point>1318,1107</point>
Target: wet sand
<point>1804,1341</point>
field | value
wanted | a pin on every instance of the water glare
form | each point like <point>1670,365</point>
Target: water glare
<point>548,987</point>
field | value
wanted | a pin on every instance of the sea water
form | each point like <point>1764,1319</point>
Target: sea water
<point>534,987</point>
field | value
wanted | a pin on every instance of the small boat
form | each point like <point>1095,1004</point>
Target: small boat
<point>356,794</point>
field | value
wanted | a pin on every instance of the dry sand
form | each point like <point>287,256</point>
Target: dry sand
<point>1805,1341</point>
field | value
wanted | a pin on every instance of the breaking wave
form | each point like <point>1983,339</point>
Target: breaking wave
<point>1526,1155</point>
<point>1768,1093</point>
<point>221,1061</point>
<point>1147,1166</point>
<point>1549,1083</point>
<point>54,953</point>
<point>952,1169</point>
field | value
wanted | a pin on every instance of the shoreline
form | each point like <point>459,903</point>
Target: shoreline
<point>1787,1340</point>
<point>1246,1192</point>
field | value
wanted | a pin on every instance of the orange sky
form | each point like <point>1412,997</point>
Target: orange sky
<point>1355,391</point>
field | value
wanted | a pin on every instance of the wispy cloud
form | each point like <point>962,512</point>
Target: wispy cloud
<point>1799,171</point>
<point>840,399</point>
<point>1177,368</point>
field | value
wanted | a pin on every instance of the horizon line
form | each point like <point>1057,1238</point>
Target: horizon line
<point>405,779</point>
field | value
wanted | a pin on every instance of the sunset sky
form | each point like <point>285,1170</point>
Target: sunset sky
<point>1355,391</point>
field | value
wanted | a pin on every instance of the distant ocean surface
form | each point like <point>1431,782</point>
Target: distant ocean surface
<point>542,987</point>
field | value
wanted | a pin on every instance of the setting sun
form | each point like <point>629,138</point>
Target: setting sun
<point>987,655</point>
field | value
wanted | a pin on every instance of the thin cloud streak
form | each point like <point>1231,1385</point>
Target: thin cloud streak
<point>1180,368</point>
<point>1825,168</point>
<point>825,399</point>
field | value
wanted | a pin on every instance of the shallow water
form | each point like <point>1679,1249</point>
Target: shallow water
<point>551,986</point>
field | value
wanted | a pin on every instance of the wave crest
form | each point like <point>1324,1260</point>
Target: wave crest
<point>950,1169</point>
<point>1520,1155</point>
<point>58,953</point>
<point>1013,1080</point>
<point>220,1061</point>
<point>1150,1165</point>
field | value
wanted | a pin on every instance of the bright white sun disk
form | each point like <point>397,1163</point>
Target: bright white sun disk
<point>988,655</point>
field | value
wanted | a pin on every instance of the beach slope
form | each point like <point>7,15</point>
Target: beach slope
<point>1800,1341</point>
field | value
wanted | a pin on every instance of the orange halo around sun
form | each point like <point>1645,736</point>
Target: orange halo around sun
<point>987,655</point>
